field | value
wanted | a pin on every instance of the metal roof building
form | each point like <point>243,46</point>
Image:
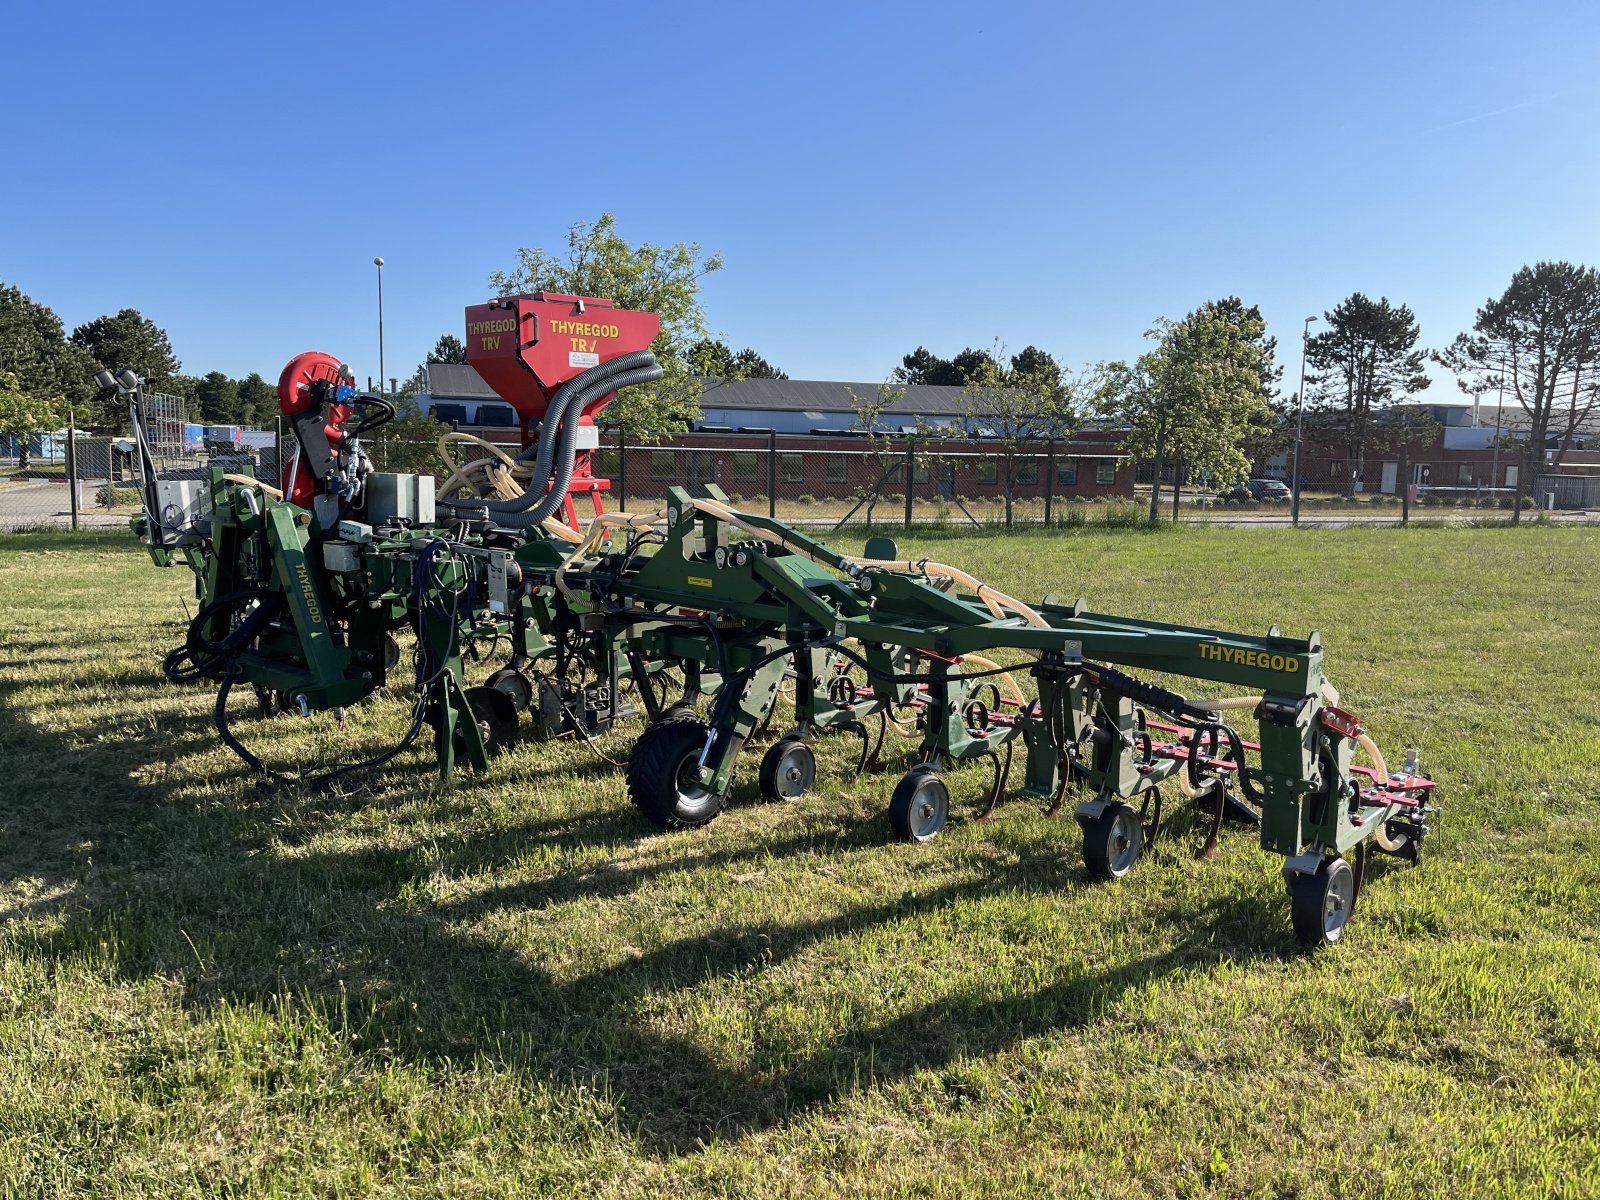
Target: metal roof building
<point>458,394</point>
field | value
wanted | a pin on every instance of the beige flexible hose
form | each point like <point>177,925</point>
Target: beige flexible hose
<point>252,481</point>
<point>995,601</point>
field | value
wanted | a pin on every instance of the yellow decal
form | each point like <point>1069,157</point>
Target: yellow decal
<point>698,581</point>
<point>304,577</point>
<point>584,328</point>
<point>1250,658</point>
<point>504,325</point>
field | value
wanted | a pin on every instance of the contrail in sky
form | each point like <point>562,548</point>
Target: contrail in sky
<point>1496,112</point>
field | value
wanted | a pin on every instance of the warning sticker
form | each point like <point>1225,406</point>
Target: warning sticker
<point>578,358</point>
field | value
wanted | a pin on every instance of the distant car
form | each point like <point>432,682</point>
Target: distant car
<point>1268,491</point>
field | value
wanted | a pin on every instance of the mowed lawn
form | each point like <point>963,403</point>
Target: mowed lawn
<point>515,988</point>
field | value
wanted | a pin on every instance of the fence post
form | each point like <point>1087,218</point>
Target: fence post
<point>1049,478</point>
<point>772,474</point>
<point>72,467</point>
<point>622,468</point>
<point>911,474</point>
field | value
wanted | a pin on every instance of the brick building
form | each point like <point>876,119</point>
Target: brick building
<point>793,438</point>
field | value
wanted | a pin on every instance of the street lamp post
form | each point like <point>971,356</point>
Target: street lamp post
<point>1300,423</point>
<point>378,262</point>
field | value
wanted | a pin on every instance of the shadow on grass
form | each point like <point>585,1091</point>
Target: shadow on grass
<point>211,887</point>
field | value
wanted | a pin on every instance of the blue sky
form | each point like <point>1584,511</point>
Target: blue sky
<point>877,176</point>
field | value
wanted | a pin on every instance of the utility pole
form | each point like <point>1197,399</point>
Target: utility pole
<point>1300,424</point>
<point>378,262</point>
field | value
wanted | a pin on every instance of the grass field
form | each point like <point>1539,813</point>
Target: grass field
<point>515,988</point>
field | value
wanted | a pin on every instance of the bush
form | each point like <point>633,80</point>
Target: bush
<point>107,496</point>
<point>805,498</point>
<point>1527,502</point>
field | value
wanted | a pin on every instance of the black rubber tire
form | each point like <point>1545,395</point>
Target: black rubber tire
<point>661,756</point>
<point>1113,841</point>
<point>1321,902</point>
<point>920,806</point>
<point>680,710</point>
<point>788,782</point>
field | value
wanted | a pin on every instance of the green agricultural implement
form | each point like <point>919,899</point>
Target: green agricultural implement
<point>716,626</point>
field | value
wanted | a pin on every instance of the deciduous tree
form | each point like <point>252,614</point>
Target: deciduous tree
<point>661,279</point>
<point>1200,396</point>
<point>22,415</point>
<point>1017,406</point>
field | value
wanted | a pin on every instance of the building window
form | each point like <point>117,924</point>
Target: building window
<point>921,472</point>
<point>988,471</point>
<point>1067,472</point>
<point>1105,472</point>
<point>606,464</point>
<point>450,414</point>
<point>792,468</point>
<point>746,467</point>
<point>1464,475</point>
<point>663,466</point>
<point>838,469</point>
<point>1028,471</point>
<point>496,414</point>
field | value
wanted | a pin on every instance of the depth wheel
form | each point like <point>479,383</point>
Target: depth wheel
<point>920,806</point>
<point>515,685</point>
<point>661,775</point>
<point>788,769</point>
<point>496,715</point>
<point>1322,901</point>
<point>1113,841</point>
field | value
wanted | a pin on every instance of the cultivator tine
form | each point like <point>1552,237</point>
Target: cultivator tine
<point>1212,787</point>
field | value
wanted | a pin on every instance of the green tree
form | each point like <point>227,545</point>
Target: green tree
<point>1199,397</point>
<point>922,367</point>
<point>1367,359</point>
<point>713,358</point>
<point>34,347</point>
<point>448,349</point>
<point>1018,406</point>
<point>661,279</point>
<point>1541,340</point>
<point>218,399</point>
<point>23,414</point>
<point>131,341</point>
<point>258,401</point>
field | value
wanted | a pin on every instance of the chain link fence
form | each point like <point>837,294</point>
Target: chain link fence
<point>74,480</point>
<point>821,482</point>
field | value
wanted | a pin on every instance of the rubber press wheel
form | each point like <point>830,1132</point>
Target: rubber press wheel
<point>920,805</point>
<point>661,775</point>
<point>1113,841</point>
<point>1321,902</point>
<point>788,769</point>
